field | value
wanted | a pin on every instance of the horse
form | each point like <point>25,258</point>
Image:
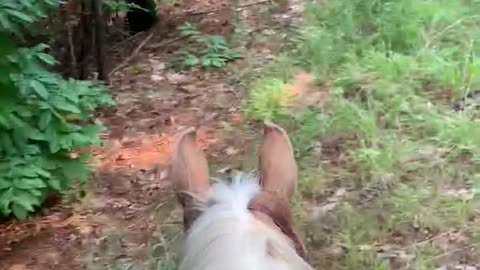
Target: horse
<point>244,224</point>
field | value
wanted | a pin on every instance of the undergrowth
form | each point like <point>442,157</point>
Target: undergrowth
<point>45,121</point>
<point>268,100</point>
<point>402,78</point>
<point>207,51</point>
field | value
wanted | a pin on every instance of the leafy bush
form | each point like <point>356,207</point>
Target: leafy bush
<point>203,50</point>
<point>268,100</point>
<point>44,119</point>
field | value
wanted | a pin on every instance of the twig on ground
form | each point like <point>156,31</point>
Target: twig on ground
<point>130,38</point>
<point>197,13</point>
<point>448,253</point>
<point>268,27</point>
<point>165,42</point>
<point>125,62</point>
<point>426,241</point>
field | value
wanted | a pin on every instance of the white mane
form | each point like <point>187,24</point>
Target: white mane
<point>226,236</point>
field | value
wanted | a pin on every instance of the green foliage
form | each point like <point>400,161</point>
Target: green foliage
<point>387,72</point>
<point>311,125</point>
<point>16,15</point>
<point>268,100</point>
<point>208,51</point>
<point>43,118</point>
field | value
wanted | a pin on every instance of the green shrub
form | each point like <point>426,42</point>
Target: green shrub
<point>43,118</point>
<point>268,100</point>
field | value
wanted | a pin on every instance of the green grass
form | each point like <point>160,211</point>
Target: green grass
<point>394,71</point>
<point>268,100</point>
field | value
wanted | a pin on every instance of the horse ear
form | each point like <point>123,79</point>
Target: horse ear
<point>277,166</point>
<point>189,167</point>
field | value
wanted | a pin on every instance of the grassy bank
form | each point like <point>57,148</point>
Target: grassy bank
<point>396,131</point>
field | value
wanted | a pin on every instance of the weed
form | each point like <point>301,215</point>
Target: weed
<point>309,182</point>
<point>355,230</point>
<point>268,100</point>
<point>203,50</point>
<point>282,68</point>
<point>423,257</point>
<point>310,127</point>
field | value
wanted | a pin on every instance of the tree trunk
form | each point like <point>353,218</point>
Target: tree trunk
<point>99,39</point>
<point>84,39</point>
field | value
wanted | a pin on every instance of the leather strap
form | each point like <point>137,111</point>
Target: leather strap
<point>279,211</point>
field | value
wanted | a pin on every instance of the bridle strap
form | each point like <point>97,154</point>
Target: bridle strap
<point>190,212</point>
<point>279,212</point>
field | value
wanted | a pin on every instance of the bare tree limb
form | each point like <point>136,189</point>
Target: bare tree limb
<point>127,60</point>
<point>128,39</point>
<point>165,42</point>
<point>84,38</point>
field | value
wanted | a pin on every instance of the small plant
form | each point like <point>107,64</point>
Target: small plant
<point>207,51</point>
<point>268,100</point>
<point>309,129</point>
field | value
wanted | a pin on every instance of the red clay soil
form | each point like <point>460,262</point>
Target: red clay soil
<point>145,152</point>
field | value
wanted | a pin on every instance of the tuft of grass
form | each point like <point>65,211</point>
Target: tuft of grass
<point>310,127</point>
<point>268,100</point>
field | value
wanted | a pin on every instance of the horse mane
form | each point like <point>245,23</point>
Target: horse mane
<point>227,236</point>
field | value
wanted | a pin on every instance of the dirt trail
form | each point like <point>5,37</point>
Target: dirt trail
<point>120,212</point>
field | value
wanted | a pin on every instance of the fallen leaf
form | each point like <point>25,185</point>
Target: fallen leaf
<point>157,78</point>
<point>320,211</point>
<point>332,202</point>
<point>236,117</point>
<point>177,78</point>
<point>162,174</point>
<point>230,151</point>
<point>18,267</point>
<point>339,193</point>
<point>189,88</point>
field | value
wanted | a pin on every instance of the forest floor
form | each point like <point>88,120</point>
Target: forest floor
<point>380,99</point>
